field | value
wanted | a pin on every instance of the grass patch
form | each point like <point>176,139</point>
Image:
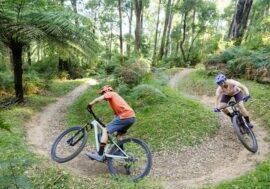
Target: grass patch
<point>175,121</point>
<point>15,156</point>
<point>199,83</point>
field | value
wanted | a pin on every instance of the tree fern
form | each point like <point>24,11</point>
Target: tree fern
<point>23,21</point>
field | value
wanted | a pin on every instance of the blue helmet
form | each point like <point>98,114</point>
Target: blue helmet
<point>220,78</point>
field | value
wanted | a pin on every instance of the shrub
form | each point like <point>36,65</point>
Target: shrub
<point>33,84</point>
<point>141,66</point>
<point>127,76</point>
<point>123,89</point>
<point>6,82</point>
<point>109,68</point>
<point>147,95</point>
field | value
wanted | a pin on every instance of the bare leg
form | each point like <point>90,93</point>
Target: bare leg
<point>242,109</point>
<point>104,137</point>
<point>245,113</point>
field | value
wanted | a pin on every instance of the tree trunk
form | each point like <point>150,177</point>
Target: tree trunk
<point>120,27</point>
<point>111,39</point>
<point>240,19</point>
<point>166,50</point>
<point>156,35</point>
<point>138,29</point>
<point>184,37</point>
<point>168,40</point>
<point>162,45</point>
<point>130,27</point>
<point>29,61</point>
<point>16,50</point>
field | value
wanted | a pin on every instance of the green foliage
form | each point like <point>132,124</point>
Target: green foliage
<point>258,107</point>
<point>6,82</point>
<point>239,61</point>
<point>140,65</point>
<point>128,76</point>
<point>109,68</point>
<point>33,83</point>
<point>147,95</point>
<point>4,125</point>
<point>47,67</point>
<point>16,159</point>
<point>161,124</point>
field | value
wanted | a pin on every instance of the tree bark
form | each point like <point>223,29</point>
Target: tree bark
<point>166,50</point>
<point>130,27</point>
<point>184,37</point>
<point>29,61</point>
<point>120,28</point>
<point>162,45</point>
<point>16,50</point>
<point>240,19</point>
<point>156,35</point>
<point>138,29</point>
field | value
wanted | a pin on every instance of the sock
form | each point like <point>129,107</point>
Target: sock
<point>101,149</point>
<point>247,119</point>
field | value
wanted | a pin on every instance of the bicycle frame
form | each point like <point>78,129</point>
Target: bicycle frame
<point>235,110</point>
<point>98,127</point>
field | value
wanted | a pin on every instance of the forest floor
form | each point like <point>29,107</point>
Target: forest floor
<point>215,159</point>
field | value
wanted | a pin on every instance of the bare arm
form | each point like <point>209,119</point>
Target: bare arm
<point>241,86</point>
<point>97,100</point>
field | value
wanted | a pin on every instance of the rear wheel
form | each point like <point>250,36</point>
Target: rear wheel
<point>245,134</point>
<point>138,163</point>
<point>69,144</point>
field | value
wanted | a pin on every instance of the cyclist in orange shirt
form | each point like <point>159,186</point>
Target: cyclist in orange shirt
<point>124,118</point>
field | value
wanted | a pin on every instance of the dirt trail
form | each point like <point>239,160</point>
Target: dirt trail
<point>44,127</point>
<point>219,158</point>
<point>216,159</point>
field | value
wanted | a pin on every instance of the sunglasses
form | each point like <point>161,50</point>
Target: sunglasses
<point>220,82</point>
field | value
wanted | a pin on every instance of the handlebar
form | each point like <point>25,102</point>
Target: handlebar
<point>90,110</point>
<point>230,104</point>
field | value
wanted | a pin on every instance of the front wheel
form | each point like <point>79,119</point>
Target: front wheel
<point>69,144</point>
<point>137,163</point>
<point>245,134</point>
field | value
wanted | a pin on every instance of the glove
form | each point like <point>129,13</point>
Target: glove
<point>216,110</point>
<point>245,98</point>
<point>89,107</point>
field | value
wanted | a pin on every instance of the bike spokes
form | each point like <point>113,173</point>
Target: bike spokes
<point>245,134</point>
<point>135,164</point>
<point>69,144</point>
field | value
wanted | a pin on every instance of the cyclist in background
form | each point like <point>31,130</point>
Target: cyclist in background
<point>228,88</point>
<point>124,118</point>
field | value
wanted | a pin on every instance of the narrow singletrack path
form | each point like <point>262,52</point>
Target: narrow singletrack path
<point>218,158</point>
<point>44,128</point>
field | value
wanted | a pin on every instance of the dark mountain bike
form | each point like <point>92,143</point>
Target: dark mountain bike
<point>129,157</point>
<point>241,128</point>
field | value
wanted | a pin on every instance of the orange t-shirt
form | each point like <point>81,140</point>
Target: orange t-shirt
<point>119,105</point>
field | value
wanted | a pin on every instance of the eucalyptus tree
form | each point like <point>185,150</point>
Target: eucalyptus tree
<point>196,16</point>
<point>165,29</point>
<point>240,20</point>
<point>156,35</point>
<point>22,21</point>
<point>120,26</point>
<point>258,23</point>
<point>139,19</point>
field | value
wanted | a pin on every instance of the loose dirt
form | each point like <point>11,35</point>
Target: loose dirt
<point>218,158</point>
